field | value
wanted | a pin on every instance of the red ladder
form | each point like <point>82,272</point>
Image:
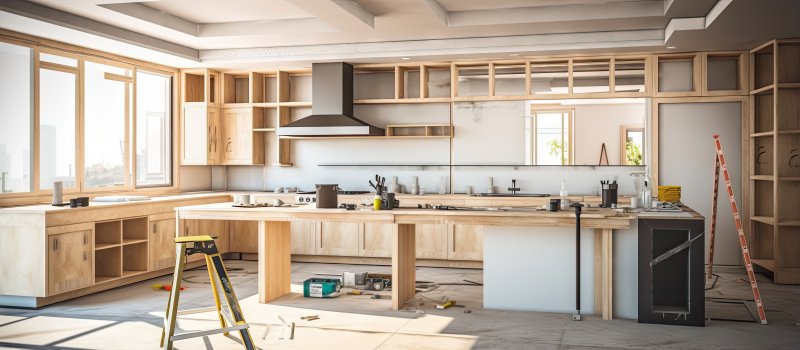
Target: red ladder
<point>748,265</point>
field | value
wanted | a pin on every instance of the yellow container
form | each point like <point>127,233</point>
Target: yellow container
<point>669,193</point>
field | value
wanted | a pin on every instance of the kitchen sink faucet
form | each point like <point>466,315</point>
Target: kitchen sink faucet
<point>514,189</point>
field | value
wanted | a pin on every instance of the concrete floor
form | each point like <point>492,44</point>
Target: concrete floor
<point>130,318</point>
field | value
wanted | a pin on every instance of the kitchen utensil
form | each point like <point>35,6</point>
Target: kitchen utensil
<point>58,192</point>
<point>609,194</point>
<point>555,204</point>
<point>241,199</point>
<point>388,201</point>
<point>634,202</point>
<point>327,195</point>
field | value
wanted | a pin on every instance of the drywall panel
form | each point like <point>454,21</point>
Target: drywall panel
<point>675,76</point>
<point>195,178</point>
<point>489,132</point>
<point>686,155</point>
<point>599,124</point>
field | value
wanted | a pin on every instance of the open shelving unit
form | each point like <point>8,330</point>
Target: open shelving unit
<point>120,248</point>
<point>775,161</point>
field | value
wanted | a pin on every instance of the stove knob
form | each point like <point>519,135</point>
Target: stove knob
<point>300,199</point>
<point>314,199</point>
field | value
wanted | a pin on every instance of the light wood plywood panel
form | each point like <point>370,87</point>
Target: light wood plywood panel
<point>162,243</point>
<point>244,237</point>
<point>338,238</point>
<point>69,261</point>
<point>274,260</point>
<point>465,242</point>
<point>22,272</point>
<point>431,241</point>
<point>376,240</point>
<point>304,237</point>
<point>403,264</point>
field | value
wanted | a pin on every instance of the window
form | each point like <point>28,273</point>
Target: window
<point>16,118</point>
<point>153,129</point>
<point>550,137</point>
<point>58,113</point>
<point>106,96</point>
<point>633,145</point>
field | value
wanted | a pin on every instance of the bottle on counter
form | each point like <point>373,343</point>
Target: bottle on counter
<point>376,202</point>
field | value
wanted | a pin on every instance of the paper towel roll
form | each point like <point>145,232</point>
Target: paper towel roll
<point>58,192</point>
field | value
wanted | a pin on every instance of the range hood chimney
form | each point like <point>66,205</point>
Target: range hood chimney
<point>331,106</point>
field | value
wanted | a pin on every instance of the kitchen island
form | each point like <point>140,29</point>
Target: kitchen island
<point>275,244</point>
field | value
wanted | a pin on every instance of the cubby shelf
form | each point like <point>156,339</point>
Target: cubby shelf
<point>764,219</point>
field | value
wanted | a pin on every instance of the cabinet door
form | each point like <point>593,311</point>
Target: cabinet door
<point>213,120</point>
<point>244,237</point>
<point>304,237</point>
<point>195,134</point>
<point>238,139</point>
<point>465,242</point>
<point>162,242</point>
<point>431,241</point>
<point>338,238</point>
<point>69,261</point>
<point>376,240</point>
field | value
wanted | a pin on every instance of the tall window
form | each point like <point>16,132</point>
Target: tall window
<point>153,129</point>
<point>632,145</point>
<point>106,104</point>
<point>16,118</point>
<point>550,137</point>
<point>58,119</point>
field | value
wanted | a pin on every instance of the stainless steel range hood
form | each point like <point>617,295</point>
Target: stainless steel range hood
<point>331,106</point>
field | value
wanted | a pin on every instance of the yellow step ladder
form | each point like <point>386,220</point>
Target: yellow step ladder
<point>230,313</point>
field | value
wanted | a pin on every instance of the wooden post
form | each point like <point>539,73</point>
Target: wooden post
<point>274,260</point>
<point>404,263</point>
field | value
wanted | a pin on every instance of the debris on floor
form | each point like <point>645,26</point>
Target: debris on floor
<point>166,287</point>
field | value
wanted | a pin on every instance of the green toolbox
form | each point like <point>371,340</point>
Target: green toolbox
<point>322,287</point>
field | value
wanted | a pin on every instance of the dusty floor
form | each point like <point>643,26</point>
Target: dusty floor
<point>130,318</point>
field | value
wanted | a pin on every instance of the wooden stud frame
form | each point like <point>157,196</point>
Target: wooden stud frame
<point>742,73</point>
<point>697,74</point>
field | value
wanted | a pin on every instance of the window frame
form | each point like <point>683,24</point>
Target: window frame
<point>624,129</point>
<point>570,122</point>
<point>174,129</point>
<point>40,45</point>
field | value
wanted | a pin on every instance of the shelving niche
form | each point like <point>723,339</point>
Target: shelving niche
<point>775,159</point>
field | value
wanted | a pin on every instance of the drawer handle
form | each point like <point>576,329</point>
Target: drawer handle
<point>84,256</point>
<point>55,244</point>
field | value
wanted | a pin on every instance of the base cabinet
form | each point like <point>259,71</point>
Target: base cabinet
<point>376,241</point>
<point>465,242</point>
<point>339,238</point>
<point>304,237</point>
<point>213,228</point>
<point>69,259</point>
<point>431,241</point>
<point>162,241</point>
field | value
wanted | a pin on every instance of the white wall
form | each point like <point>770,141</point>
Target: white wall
<point>686,156</point>
<point>598,124</point>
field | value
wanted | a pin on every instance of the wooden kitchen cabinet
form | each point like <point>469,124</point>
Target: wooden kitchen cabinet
<point>200,135</point>
<point>339,238</point>
<point>162,241</point>
<point>431,241</point>
<point>241,145</point>
<point>376,240</point>
<point>69,258</point>
<point>465,242</point>
<point>304,237</point>
<point>244,237</point>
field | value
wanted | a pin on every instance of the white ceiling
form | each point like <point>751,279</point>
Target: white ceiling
<point>253,33</point>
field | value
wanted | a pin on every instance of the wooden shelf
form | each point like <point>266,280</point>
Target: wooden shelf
<point>764,219</point>
<point>419,130</point>
<point>789,178</point>
<point>128,273</point>
<point>766,89</point>
<point>265,104</point>
<point>789,223</point>
<point>768,264</point>
<point>360,137</point>
<point>763,177</point>
<point>101,279</point>
<point>283,164</point>
<point>788,132</point>
<point>264,129</point>
<point>789,86</point>
<point>402,100</point>
<point>295,104</point>
<point>763,134</point>
<point>133,241</point>
<point>100,246</point>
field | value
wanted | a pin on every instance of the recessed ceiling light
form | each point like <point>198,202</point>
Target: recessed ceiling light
<point>406,58</point>
<point>514,54</point>
<point>670,47</point>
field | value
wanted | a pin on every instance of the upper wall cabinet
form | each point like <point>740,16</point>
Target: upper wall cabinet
<point>241,143</point>
<point>700,74</point>
<point>200,85</point>
<point>200,134</point>
<point>677,74</point>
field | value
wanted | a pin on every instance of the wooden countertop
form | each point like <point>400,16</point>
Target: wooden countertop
<point>591,218</point>
<point>47,208</point>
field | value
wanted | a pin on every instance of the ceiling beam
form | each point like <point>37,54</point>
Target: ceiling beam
<point>438,11</point>
<point>346,15</point>
<point>695,23</point>
<point>558,13</point>
<point>300,25</point>
<point>154,16</point>
<point>640,39</point>
<point>87,25</point>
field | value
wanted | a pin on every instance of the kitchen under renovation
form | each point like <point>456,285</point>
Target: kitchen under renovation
<point>410,174</point>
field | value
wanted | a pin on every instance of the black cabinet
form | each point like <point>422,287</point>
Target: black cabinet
<point>671,281</point>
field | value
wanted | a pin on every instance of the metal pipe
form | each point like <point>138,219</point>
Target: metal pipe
<point>577,316</point>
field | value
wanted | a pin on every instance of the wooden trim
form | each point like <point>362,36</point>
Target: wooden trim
<point>117,77</point>
<point>58,67</point>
